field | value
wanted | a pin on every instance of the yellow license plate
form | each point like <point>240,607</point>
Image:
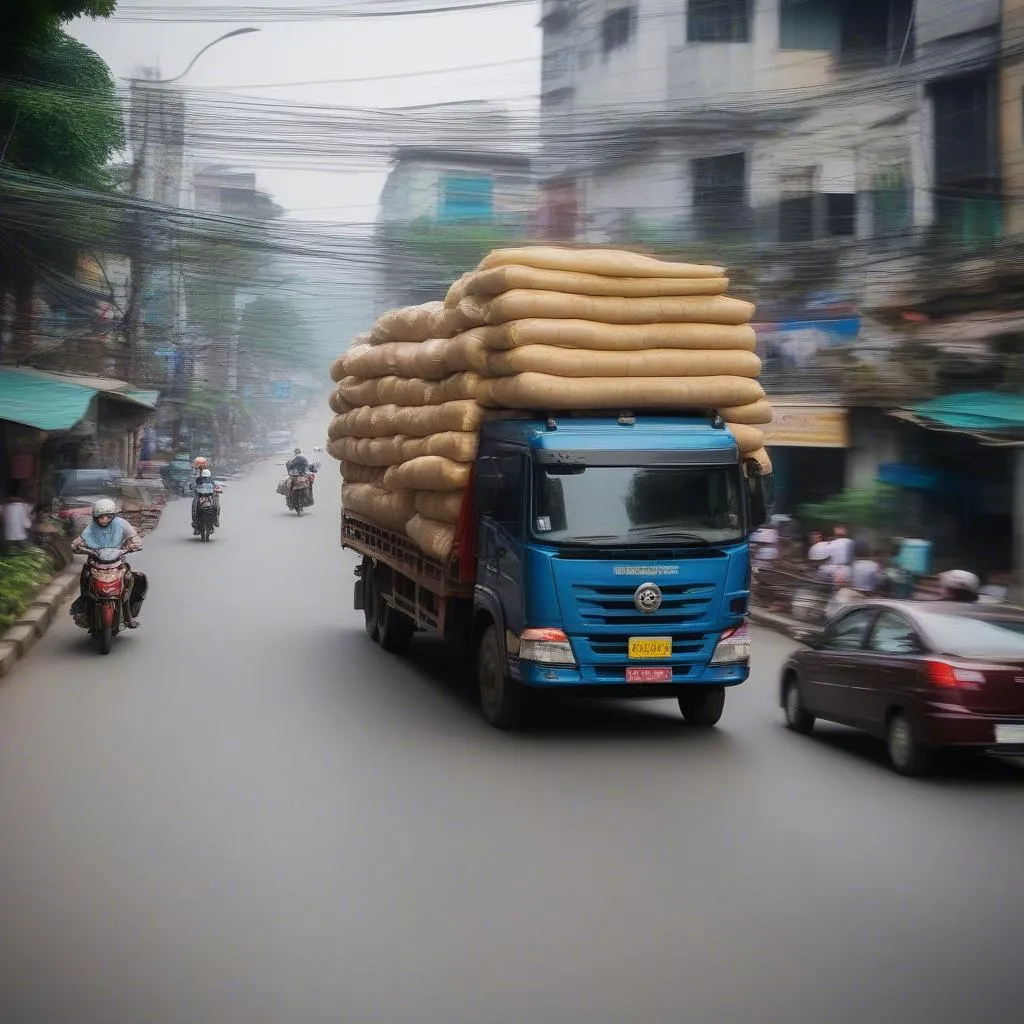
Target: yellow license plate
<point>650,647</point>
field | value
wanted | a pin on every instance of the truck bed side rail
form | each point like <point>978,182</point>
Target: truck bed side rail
<point>398,552</point>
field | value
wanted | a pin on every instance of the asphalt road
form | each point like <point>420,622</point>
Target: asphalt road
<point>248,814</point>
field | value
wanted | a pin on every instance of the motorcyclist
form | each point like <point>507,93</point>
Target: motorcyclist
<point>959,585</point>
<point>205,477</point>
<point>297,465</point>
<point>108,530</point>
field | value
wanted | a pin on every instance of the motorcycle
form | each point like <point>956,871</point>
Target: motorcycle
<point>299,494</point>
<point>206,510</point>
<point>108,581</point>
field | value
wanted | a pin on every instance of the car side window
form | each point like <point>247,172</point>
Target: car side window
<point>893,634</point>
<point>847,633</point>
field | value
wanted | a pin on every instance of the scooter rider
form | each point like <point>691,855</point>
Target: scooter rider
<point>108,530</point>
<point>297,465</point>
<point>205,477</point>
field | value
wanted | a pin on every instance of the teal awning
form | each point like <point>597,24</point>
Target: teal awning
<point>146,398</point>
<point>993,417</point>
<point>40,402</point>
<point>977,410</point>
<point>47,401</point>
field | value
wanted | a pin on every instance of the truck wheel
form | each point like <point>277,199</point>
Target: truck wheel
<point>502,700</point>
<point>396,629</point>
<point>704,706</point>
<point>370,601</point>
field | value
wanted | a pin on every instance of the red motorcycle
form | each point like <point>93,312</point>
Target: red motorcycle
<point>108,583</point>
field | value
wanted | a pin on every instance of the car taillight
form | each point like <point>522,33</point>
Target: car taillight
<point>733,647</point>
<point>942,673</point>
<point>546,647</point>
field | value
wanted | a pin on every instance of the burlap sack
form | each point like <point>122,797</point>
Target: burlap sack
<point>392,509</point>
<point>748,439</point>
<point>603,262</point>
<point>441,506</point>
<point>567,362</point>
<point>338,367</point>
<point>489,283</point>
<point>408,421</point>
<point>754,414</point>
<point>409,323</point>
<point>376,452</point>
<point>543,392</point>
<point>524,303</point>
<point>429,473</point>
<point>432,538</point>
<point>353,473</point>
<point>763,460</point>
<point>337,402</point>
<point>615,337</point>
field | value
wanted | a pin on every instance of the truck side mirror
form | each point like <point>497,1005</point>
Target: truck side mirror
<point>756,504</point>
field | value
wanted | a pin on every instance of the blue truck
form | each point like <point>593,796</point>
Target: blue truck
<point>603,557</point>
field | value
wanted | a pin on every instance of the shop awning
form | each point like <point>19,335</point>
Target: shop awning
<point>992,417</point>
<point>53,402</point>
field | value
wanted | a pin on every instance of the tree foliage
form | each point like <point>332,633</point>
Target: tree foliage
<point>59,114</point>
<point>30,19</point>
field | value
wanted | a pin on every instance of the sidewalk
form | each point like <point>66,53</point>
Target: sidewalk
<point>37,618</point>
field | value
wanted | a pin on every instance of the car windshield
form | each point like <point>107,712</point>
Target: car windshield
<point>637,505</point>
<point>965,636</point>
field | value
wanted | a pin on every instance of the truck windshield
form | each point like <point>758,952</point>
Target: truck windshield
<point>639,505</point>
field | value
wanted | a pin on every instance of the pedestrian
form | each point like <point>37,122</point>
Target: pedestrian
<point>817,549</point>
<point>865,571</point>
<point>840,548</point>
<point>18,519</point>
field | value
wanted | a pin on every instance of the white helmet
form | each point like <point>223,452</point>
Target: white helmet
<point>104,507</point>
<point>206,474</point>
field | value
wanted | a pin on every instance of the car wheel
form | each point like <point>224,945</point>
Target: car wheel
<point>906,754</point>
<point>797,717</point>
<point>704,706</point>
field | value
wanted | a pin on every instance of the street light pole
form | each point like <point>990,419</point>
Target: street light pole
<point>140,102</point>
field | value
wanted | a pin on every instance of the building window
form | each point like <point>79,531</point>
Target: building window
<point>796,220</point>
<point>718,21</point>
<point>465,197</point>
<point>861,33</point>
<point>617,29</point>
<point>719,194</point>
<point>840,215</point>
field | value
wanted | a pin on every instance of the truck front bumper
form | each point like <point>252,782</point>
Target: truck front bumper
<point>613,677</point>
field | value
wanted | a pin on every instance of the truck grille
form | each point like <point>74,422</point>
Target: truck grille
<point>613,604</point>
<point>683,646</point>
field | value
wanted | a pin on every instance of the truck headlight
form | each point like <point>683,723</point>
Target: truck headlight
<point>546,647</point>
<point>733,647</point>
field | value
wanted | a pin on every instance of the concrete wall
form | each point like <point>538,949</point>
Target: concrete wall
<point>1011,117</point>
<point>942,19</point>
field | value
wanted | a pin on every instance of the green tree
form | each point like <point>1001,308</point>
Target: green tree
<point>29,19</point>
<point>272,337</point>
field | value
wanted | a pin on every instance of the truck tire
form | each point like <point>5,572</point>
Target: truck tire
<point>396,629</point>
<point>704,706</point>
<point>370,601</point>
<point>502,700</point>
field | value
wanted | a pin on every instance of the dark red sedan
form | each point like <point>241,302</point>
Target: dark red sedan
<point>923,676</point>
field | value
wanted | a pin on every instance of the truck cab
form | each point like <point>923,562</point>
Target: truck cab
<point>612,560</point>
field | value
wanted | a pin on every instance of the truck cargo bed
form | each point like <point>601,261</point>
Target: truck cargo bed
<point>398,552</point>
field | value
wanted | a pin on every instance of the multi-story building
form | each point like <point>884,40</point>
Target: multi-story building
<point>770,121</point>
<point>465,184</point>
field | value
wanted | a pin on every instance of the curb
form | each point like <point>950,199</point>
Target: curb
<point>780,623</point>
<point>37,618</point>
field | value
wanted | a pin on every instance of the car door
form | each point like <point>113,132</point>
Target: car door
<point>830,667</point>
<point>889,669</point>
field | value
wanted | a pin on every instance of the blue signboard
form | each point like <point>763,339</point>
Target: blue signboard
<point>281,390</point>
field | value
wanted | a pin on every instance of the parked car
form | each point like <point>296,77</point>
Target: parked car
<point>923,676</point>
<point>78,488</point>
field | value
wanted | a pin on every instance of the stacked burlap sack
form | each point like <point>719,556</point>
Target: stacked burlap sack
<point>535,329</point>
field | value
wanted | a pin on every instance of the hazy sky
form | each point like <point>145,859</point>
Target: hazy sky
<point>285,52</point>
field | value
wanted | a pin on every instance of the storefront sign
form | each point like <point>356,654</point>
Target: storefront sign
<point>807,426</point>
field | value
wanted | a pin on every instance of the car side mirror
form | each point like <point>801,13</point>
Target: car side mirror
<point>808,637</point>
<point>757,504</point>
